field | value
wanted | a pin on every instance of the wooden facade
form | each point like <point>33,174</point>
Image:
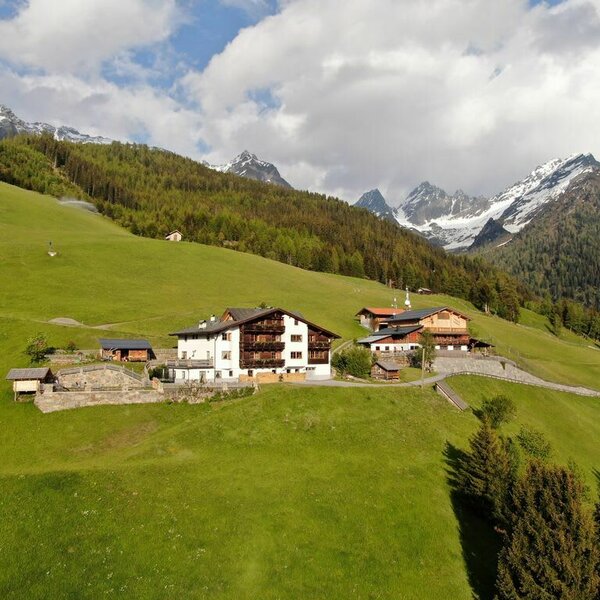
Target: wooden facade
<point>386,369</point>
<point>125,350</point>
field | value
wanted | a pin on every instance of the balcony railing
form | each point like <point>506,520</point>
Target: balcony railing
<point>448,330</point>
<point>270,326</point>
<point>262,363</point>
<point>182,363</point>
<point>319,345</point>
<point>275,346</point>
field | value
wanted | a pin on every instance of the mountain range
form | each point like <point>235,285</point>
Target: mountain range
<point>244,165</point>
<point>461,222</point>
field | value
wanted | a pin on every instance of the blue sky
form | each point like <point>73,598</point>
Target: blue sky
<point>342,97</point>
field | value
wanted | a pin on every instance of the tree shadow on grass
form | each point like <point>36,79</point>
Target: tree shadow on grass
<point>480,543</point>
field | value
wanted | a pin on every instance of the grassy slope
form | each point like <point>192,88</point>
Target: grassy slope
<point>291,493</point>
<point>106,275</point>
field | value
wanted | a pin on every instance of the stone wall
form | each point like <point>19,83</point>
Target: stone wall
<point>98,376</point>
<point>50,401</point>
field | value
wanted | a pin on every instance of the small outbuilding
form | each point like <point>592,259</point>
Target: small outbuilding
<point>424,291</point>
<point>174,236</point>
<point>126,350</point>
<point>29,381</point>
<point>388,370</point>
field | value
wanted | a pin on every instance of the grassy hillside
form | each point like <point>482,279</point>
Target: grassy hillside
<point>295,492</point>
<point>104,275</point>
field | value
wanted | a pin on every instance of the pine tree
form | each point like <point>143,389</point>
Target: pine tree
<point>486,474</point>
<point>551,551</point>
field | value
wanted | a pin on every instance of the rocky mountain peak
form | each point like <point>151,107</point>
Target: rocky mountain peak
<point>374,201</point>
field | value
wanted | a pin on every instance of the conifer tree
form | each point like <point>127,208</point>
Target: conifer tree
<point>486,474</point>
<point>551,551</point>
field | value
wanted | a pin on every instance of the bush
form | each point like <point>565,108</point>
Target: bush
<point>158,371</point>
<point>37,348</point>
<point>498,410</point>
<point>71,347</point>
<point>534,443</point>
<point>356,361</point>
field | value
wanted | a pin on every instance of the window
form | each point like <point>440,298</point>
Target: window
<point>226,336</point>
<point>184,354</point>
<point>377,347</point>
<point>387,348</point>
<point>296,355</point>
<point>230,373</point>
<point>226,355</point>
<point>295,321</point>
<point>250,373</point>
<point>296,338</point>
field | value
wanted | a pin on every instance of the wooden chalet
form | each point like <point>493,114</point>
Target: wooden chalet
<point>402,332</point>
<point>29,381</point>
<point>372,318</point>
<point>125,350</point>
<point>387,370</point>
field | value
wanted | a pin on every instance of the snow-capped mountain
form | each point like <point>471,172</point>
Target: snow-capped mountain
<point>248,165</point>
<point>11,125</point>
<point>374,201</point>
<point>455,221</point>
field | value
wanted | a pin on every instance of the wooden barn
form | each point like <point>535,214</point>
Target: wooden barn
<point>388,370</point>
<point>29,381</point>
<point>125,350</point>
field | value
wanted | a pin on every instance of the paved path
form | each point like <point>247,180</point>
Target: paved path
<point>580,391</point>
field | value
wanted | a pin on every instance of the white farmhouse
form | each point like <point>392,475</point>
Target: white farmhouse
<point>248,343</point>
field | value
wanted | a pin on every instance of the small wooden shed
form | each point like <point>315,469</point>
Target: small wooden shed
<point>386,369</point>
<point>29,381</point>
<point>125,350</point>
<point>174,236</point>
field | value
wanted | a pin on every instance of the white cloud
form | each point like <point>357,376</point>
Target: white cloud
<point>75,36</point>
<point>465,93</point>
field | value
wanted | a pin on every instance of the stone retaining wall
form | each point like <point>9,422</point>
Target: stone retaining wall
<point>52,401</point>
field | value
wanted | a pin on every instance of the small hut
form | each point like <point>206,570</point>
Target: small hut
<point>29,381</point>
<point>174,236</point>
<point>385,369</point>
<point>126,350</point>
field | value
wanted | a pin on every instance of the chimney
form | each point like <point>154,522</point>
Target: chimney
<point>202,325</point>
<point>213,318</point>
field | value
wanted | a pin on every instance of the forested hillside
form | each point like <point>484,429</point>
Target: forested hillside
<point>152,192</point>
<point>559,253</point>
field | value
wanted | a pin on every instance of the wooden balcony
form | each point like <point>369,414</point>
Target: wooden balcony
<point>262,363</point>
<point>447,330</point>
<point>319,344</point>
<point>267,326</point>
<point>318,361</point>
<point>260,346</point>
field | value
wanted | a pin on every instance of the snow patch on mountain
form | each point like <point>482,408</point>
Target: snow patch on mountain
<point>249,165</point>
<point>455,221</point>
<point>11,125</point>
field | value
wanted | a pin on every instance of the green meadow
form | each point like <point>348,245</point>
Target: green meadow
<point>292,493</point>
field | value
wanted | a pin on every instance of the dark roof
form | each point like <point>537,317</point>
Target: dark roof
<point>397,331</point>
<point>388,365</point>
<point>26,374</point>
<point>380,312</point>
<point>417,315</point>
<point>243,315</point>
<point>124,344</point>
<point>480,343</point>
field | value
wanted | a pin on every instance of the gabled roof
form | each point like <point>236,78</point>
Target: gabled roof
<point>38,373</point>
<point>124,344</point>
<point>174,231</point>
<point>388,365</point>
<point>380,312</point>
<point>398,332</point>
<point>417,315</point>
<point>245,315</point>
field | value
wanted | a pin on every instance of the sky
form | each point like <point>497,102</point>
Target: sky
<point>342,96</point>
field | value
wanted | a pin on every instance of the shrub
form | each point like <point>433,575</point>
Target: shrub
<point>71,347</point>
<point>356,361</point>
<point>37,348</point>
<point>534,443</point>
<point>498,410</point>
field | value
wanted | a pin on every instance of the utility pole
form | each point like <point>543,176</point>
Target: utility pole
<point>423,368</point>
